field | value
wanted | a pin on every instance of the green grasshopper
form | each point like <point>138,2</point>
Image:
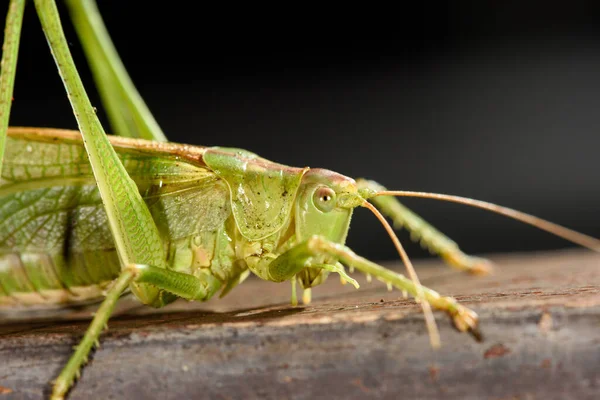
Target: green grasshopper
<point>87,217</point>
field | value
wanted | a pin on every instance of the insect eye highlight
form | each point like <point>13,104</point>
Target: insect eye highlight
<point>324,199</point>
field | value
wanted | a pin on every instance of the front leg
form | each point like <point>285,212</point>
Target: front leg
<point>288,264</point>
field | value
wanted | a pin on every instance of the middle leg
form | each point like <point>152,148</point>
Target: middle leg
<point>421,231</point>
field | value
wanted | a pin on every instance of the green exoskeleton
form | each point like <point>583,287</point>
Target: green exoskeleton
<point>86,217</point>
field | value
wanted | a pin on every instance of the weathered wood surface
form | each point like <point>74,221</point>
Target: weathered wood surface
<point>540,314</point>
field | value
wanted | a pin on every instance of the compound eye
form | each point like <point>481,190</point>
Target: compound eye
<point>324,199</point>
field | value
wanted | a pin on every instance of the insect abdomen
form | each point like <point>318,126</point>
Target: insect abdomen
<point>44,279</point>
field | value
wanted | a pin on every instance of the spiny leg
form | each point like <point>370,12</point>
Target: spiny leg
<point>420,230</point>
<point>300,256</point>
<point>136,237</point>
<point>71,371</point>
<point>127,111</point>
<point>133,229</point>
<point>463,318</point>
<point>8,66</point>
<point>183,285</point>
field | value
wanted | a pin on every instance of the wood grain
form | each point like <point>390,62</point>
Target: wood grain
<point>540,315</point>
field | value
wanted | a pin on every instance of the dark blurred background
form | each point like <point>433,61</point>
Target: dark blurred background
<point>498,101</point>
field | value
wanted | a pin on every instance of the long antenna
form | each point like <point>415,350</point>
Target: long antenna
<point>558,230</point>
<point>434,334</point>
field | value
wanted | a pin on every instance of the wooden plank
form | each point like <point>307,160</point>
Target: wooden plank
<point>540,314</point>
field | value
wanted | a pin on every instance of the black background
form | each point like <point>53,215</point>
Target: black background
<point>497,101</point>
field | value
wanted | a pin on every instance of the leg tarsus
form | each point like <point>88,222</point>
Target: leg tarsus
<point>467,263</point>
<point>465,320</point>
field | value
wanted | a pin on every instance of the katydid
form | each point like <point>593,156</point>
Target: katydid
<point>86,217</point>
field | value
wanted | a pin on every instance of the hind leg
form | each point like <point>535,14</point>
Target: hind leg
<point>10,50</point>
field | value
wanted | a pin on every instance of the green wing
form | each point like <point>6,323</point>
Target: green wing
<point>49,199</point>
